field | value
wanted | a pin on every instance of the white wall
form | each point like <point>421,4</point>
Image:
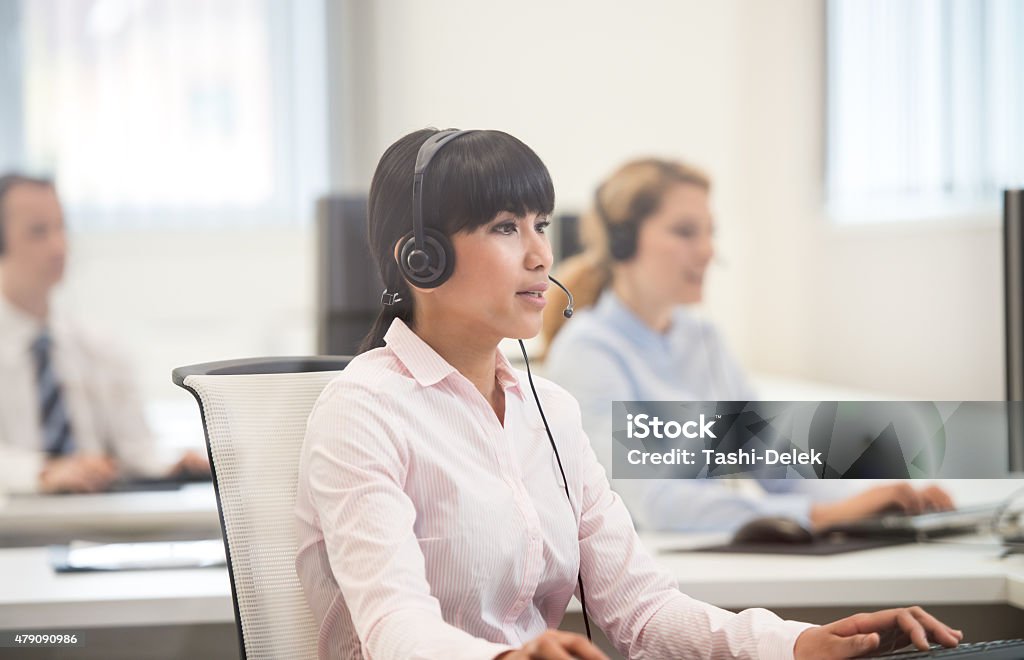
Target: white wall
<point>736,86</point>
<point>914,308</point>
<point>172,298</point>
<point>585,84</point>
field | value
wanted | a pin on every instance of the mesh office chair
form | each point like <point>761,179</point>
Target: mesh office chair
<point>254,417</point>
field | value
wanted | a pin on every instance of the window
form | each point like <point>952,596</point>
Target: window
<point>925,106</point>
<point>169,112</point>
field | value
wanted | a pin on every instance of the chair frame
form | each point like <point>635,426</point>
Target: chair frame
<point>246,366</point>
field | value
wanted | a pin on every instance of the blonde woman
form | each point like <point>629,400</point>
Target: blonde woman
<point>649,238</point>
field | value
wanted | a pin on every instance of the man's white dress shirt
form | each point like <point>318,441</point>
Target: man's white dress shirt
<point>99,393</point>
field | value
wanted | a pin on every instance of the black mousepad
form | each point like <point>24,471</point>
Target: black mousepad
<point>827,546</point>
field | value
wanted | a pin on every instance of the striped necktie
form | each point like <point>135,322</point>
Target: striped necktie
<point>53,414</point>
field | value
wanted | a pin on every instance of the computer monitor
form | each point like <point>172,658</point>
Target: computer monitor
<point>568,242</point>
<point>348,282</point>
<point>1013,273</point>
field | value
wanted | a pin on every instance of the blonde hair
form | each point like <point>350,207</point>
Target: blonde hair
<point>628,197</point>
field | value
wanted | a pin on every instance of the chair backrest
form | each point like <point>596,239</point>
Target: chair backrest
<point>254,416</point>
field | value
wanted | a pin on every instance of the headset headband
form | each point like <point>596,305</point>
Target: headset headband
<point>426,153</point>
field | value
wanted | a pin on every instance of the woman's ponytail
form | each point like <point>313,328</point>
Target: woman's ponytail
<point>586,275</point>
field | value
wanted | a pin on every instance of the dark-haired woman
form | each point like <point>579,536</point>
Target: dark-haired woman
<point>434,517</point>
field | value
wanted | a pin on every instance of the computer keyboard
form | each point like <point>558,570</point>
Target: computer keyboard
<point>932,524</point>
<point>141,485</point>
<point>1004,649</point>
<point>136,484</point>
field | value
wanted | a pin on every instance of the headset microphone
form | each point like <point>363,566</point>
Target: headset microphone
<point>567,312</point>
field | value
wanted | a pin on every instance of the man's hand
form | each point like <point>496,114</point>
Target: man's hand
<point>555,645</point>
<point>77,473</point>
<point>902,497</point>
<point>877,632</point>
<point>191,463</point>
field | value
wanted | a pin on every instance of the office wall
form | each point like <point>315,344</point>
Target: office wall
<point>913,308</point>
<point>586,84</point>
<point>170,298</point>
<point>738,87</point>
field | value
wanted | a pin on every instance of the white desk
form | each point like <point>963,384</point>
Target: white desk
<point>967,572</point>
<point>130,515</point>
<point>34,596</point>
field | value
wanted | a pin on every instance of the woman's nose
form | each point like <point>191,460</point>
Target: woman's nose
<point>538,252</point>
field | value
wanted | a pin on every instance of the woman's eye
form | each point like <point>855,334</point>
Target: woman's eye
<point>685,232</point>
<point>506,228</point>
<point>542,226</point>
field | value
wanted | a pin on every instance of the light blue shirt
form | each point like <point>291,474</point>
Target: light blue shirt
<point>606,353</point>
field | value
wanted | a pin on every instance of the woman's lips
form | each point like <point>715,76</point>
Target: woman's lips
<point>535,298</point>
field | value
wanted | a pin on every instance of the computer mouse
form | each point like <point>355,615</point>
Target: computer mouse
<point>773,529</point>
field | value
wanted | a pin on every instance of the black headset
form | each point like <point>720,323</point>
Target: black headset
<point>622,236</point>
<point>427,259</point>
<point>426,256</point>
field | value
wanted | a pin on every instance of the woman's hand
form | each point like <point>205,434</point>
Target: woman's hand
<point>936,499</point>
<point>901,496</point>
<point>876,632</point>
<point>555,645</point>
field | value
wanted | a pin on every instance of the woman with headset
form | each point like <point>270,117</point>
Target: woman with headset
<point>449,505</point>
<point>649,242</point>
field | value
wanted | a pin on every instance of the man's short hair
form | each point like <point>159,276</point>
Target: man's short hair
<point>8,181</point>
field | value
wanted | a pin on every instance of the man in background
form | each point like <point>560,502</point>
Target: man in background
<point>70,416</point>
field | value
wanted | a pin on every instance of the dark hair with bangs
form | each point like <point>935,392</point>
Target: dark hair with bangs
<point>468,183</point>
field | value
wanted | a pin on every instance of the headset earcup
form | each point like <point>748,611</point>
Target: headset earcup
<point>622,241</point>
<point>433,266</point>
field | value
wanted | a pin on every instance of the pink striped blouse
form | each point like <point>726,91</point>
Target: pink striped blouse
<point>428,529</point>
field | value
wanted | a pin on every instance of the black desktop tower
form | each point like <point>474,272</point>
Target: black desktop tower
<point>348,282</point>
<point>1013,274</point>
<point>569,241</point>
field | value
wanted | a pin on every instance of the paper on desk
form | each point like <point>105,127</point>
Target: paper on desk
<point>86,556</point>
